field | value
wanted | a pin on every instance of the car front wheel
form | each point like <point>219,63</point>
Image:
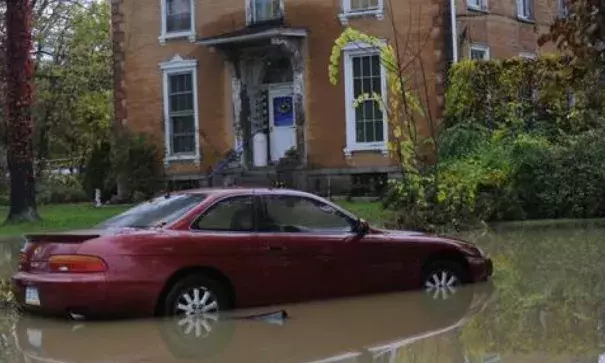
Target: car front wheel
<point>196,295</point>
<point>442,279</point>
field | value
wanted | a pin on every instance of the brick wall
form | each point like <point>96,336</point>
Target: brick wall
<point>136,25</point>
<point>500,29</point>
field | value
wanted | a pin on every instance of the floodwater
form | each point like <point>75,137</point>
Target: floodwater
<point>546,304</point>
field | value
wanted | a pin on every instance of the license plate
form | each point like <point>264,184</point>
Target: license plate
<point>31,296</point>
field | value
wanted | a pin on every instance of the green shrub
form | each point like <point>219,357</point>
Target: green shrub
<point>60,189</point>
<point>97,173</point>
<point>138,161</point>
<point>468,187</point>
<point>567,182</point>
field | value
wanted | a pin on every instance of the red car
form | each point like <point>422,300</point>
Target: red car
<point>209,250</point>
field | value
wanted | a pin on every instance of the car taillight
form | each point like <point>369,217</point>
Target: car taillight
<point>76,263</point>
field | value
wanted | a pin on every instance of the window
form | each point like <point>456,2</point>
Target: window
<point>232,215</point>
<point>156,212</point>
<point>264,10</point>
<point>178,19</point>
<point>479,52</point>
<point>293,214</point>
<point>355,8</point>
<point>525,9</point>
<point>181,109</point>
<point>366,123</point>
<point>364,5</point>
<point>181,113</point>
<point>477,4</point>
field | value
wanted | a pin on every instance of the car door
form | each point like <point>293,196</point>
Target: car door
<point>384,262</point>
<point>311,241</point>
<point>226,239</point>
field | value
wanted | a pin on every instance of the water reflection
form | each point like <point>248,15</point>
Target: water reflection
<point>547,305</point>
<point>372,329</point>
<point>9,249</point>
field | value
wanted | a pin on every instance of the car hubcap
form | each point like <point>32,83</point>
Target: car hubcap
<point>198,325</point>
<point>197,301</point>
<point>199,310</point>
<point>441,284</point>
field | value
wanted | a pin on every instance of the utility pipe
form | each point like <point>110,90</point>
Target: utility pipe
<point>454,31</point>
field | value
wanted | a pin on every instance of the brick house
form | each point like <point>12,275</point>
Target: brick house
<point>232,85</point>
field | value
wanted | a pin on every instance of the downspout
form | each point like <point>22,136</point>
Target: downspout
<point>454,31</point>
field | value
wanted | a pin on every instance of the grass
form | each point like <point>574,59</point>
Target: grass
<point>82,216</point>
<point>60,218</point>
<point>370,211</point>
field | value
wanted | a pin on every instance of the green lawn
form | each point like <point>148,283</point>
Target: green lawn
<point>370,211</point>
<point>61,217</point>
<point>81,216</point>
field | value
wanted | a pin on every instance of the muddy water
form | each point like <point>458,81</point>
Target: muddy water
<point>546,304</point>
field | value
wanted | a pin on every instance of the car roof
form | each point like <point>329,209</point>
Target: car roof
<point>243,190</point>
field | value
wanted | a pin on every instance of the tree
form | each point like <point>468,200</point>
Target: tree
<point>75,58</point>
<point>581,33</point>
<point>20,125</point>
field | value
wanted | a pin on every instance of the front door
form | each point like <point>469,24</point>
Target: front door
<point>283,127</point>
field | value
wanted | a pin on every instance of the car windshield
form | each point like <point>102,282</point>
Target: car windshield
<point>156,212</point>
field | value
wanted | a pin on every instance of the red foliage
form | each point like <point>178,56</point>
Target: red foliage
<point>582,33</point>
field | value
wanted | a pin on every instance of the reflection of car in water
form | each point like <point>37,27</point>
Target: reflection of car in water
<point>352,330</point>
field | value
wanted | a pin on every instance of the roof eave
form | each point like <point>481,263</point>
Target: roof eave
<point>286,32</point>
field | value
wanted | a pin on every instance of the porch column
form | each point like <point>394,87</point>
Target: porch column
<point>236,88</point>
<point>241,105</point>
<point>293,47</point>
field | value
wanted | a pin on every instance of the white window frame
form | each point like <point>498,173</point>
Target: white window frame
<point>481,47</point>
<point>481,7</point>
<point>250,11</point>
<point>348,13</point>
<point>179,65</point>
<point>521,4</point>
<point>528,55</point>
<point>350,51</point>
<point>165,35</point>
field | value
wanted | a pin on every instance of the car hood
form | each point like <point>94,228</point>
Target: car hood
<point>406,235</point>
<point>403,233</point>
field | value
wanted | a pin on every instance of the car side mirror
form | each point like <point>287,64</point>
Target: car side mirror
<point>362,227</point>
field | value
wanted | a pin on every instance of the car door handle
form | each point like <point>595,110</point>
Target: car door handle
<point>276,248</point>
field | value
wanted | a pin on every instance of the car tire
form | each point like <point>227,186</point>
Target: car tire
<point>441,279</point>
<point>207,291</point>
<point>443,300</point>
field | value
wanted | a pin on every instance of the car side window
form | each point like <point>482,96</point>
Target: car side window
<point>234,214</point>
<point>294,214</point>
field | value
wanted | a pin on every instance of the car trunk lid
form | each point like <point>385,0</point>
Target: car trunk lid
<point>38,247</point>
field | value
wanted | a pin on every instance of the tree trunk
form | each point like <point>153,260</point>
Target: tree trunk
<point>20,125</point>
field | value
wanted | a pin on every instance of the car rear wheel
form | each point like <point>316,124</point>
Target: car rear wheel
<point>196,295</point>
<point>441,279</point>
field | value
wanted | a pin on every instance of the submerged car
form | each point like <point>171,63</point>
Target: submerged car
<point>210,250</point>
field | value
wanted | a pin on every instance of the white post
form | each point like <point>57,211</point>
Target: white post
<point>98,198</point>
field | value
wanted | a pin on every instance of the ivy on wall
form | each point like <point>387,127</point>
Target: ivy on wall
<point>521,92</point>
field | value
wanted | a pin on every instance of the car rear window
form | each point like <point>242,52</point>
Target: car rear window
<point>156,212</point>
